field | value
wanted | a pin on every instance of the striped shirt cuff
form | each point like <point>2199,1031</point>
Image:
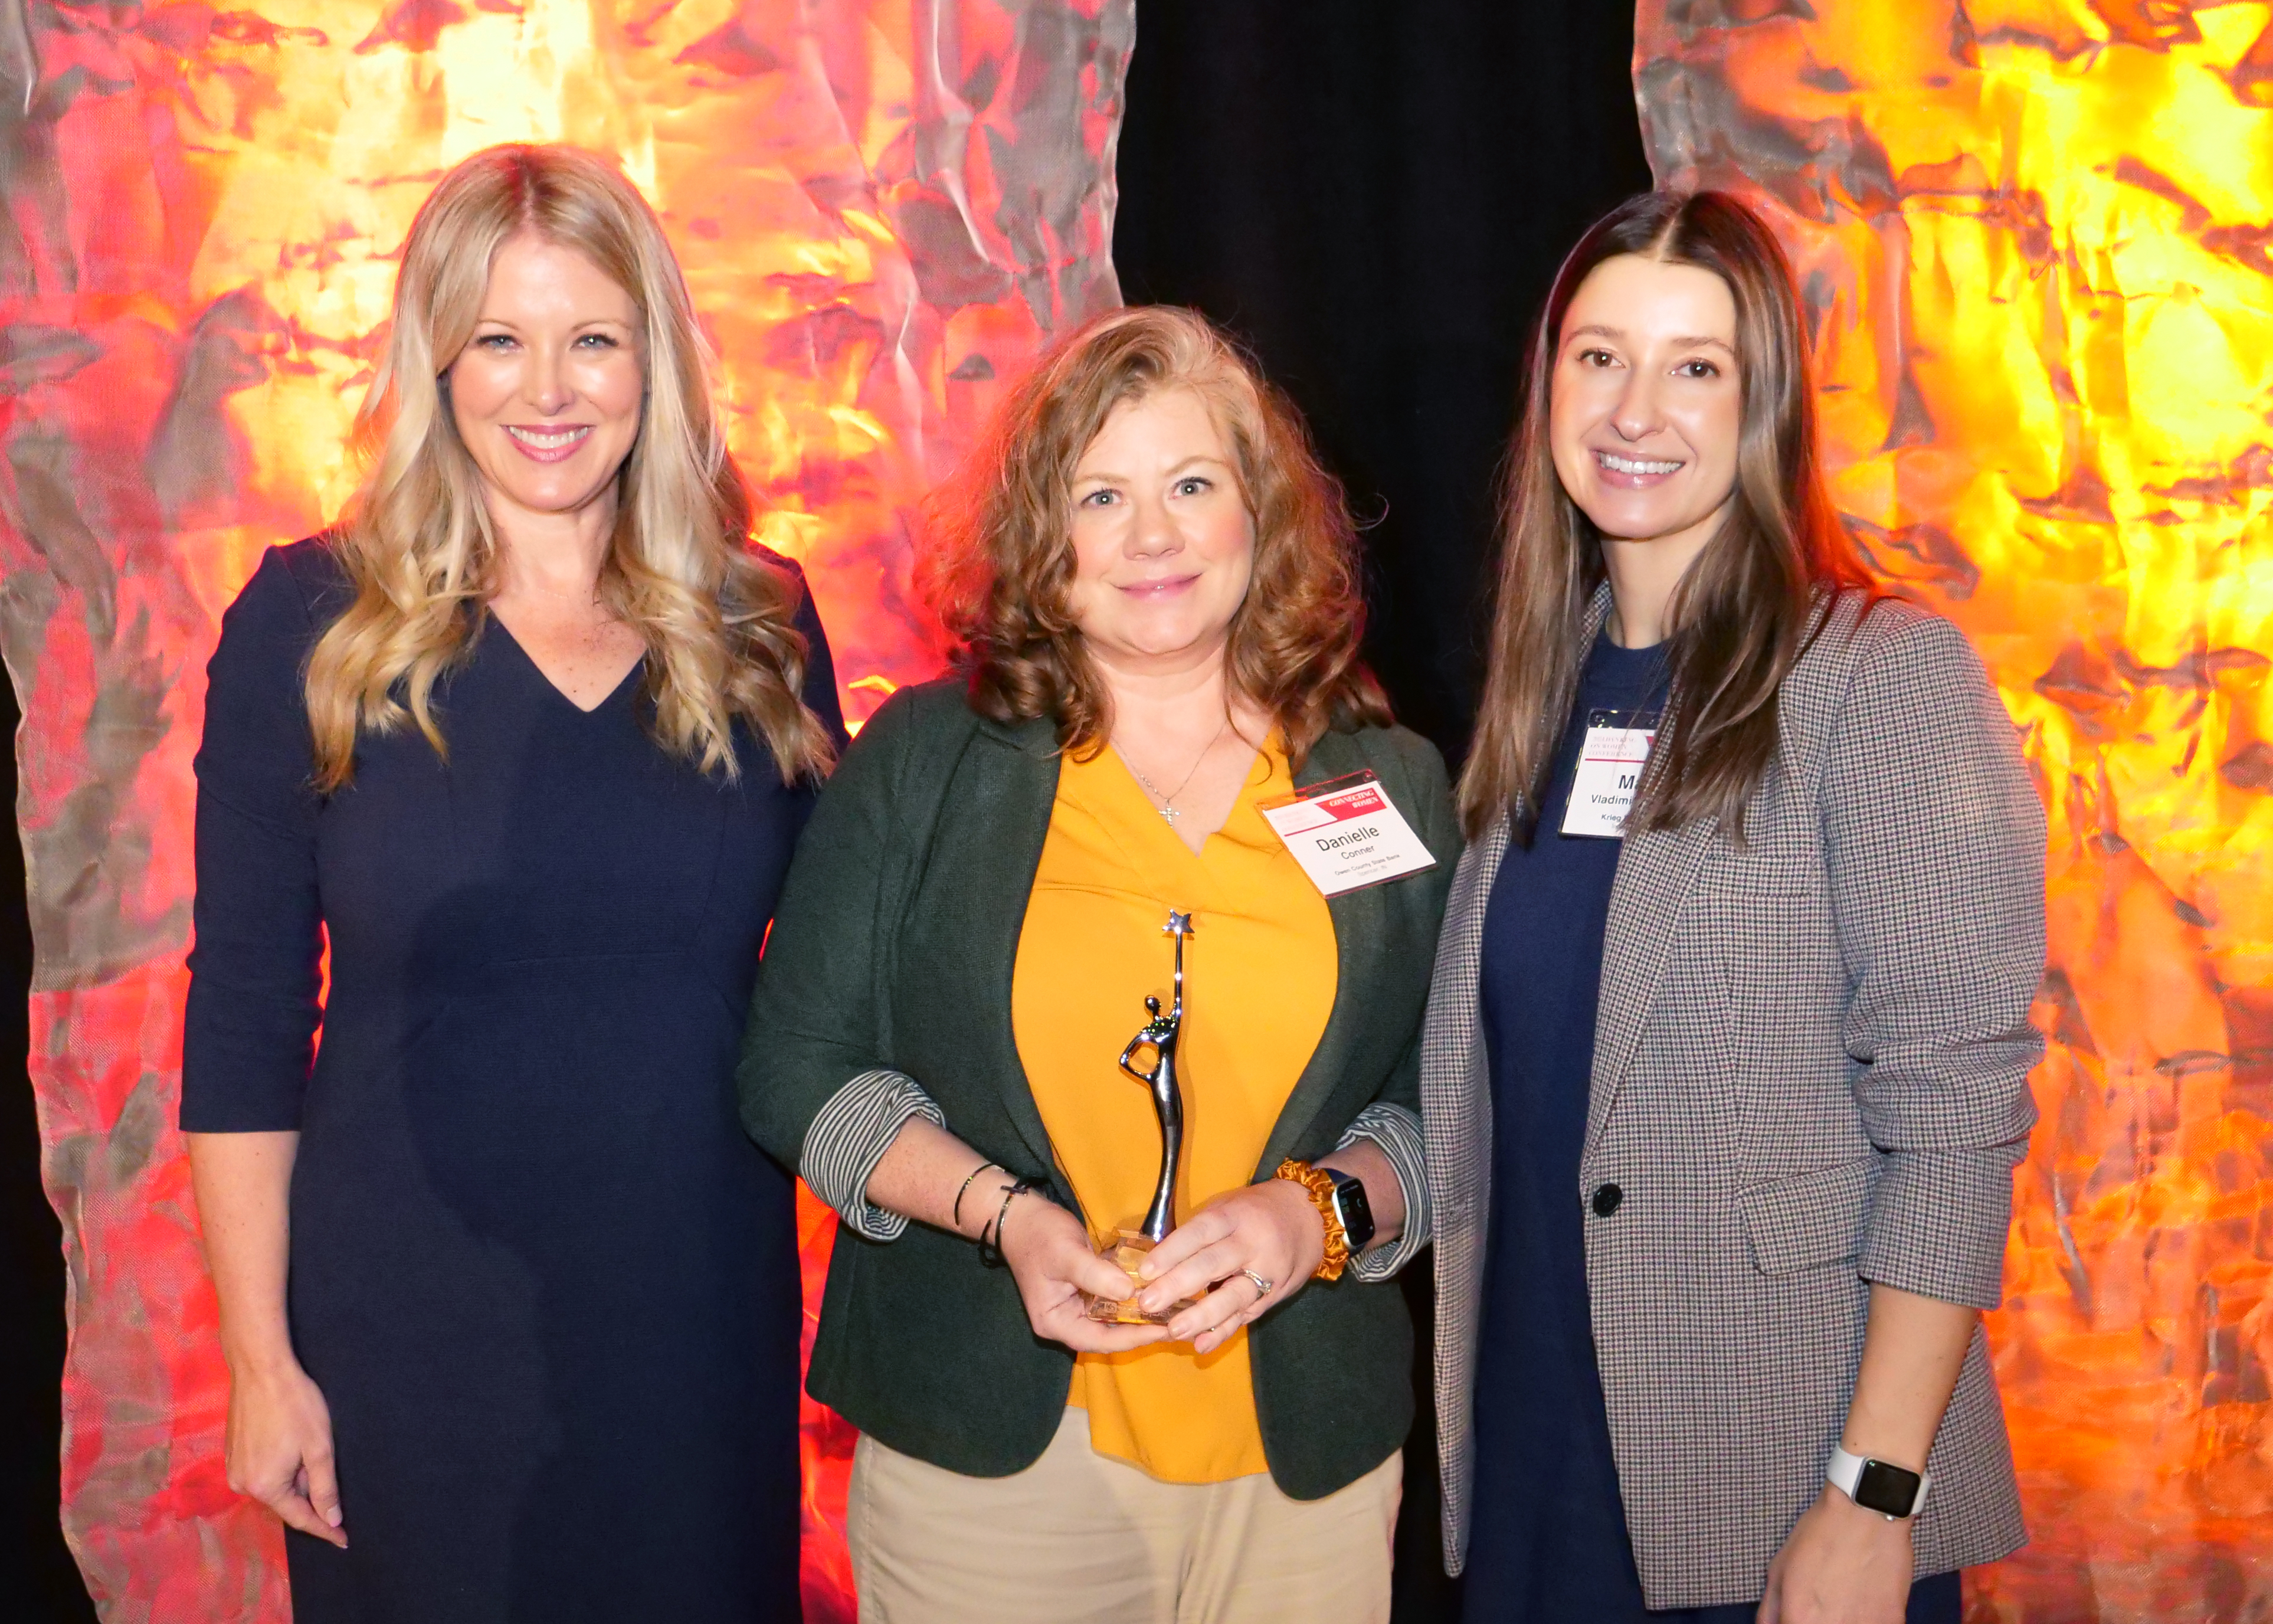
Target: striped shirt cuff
<point>851,1135</point>
<point>1397,1132</point>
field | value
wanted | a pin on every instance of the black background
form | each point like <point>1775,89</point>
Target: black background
<point>1374,195</point>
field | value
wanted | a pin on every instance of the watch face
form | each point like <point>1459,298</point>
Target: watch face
<point>1888,1490</point>
<point>1356,1214</point>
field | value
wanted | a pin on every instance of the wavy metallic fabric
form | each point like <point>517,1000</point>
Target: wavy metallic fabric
<point>882,208</point>
<point>2033,238</point>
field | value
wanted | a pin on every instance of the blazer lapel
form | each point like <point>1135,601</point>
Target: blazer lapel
<point>1456,1120</point>
<point>1362,932</point>
<point>1656,871</point>
<point>1456,1100</point>
<point>1024,767</point>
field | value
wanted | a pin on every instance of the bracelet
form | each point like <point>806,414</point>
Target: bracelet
<point>1320,1183</point>
<point>965,1190</point>
<point>990,1250</point>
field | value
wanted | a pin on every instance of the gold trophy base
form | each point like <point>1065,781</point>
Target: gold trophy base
<point>1127,1250</point>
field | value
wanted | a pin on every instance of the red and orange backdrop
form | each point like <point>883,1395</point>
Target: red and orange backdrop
<point>882,207</point>
<point>2036,237</point>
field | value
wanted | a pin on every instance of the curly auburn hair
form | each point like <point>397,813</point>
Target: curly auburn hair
<point>1000,558</point>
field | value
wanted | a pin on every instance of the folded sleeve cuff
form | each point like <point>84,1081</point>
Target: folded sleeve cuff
<point>851,1135</point>
<point>1397,1132</point>
<point>1938,1224</point>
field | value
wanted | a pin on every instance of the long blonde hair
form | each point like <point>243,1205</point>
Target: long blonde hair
<point>416,541</point>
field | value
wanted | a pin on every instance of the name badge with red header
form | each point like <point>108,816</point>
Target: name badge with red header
<point>1347,834</point>
<point>1611,761</point>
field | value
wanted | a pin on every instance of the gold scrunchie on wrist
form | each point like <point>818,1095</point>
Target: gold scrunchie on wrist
<point>1320,1183</point>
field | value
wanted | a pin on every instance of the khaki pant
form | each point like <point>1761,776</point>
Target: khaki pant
<point>1081,1537</point>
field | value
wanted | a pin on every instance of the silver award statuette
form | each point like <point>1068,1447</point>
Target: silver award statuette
<point>1160,1035</point>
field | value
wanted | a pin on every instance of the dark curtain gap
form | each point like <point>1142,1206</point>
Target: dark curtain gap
<point>1374,197</point>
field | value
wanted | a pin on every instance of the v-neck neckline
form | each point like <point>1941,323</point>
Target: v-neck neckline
<point>606,700</point>
<point>1135,794</point>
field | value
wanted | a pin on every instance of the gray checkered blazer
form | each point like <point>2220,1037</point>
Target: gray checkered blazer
<point>1811,1072</point>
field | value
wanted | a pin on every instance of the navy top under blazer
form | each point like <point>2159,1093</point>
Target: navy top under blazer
<point>1550,1535</point>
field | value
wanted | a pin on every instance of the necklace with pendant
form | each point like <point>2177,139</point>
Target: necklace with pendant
<point>1167,807</point>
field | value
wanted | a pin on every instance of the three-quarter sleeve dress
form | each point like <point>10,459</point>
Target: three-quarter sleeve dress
<point>547,1286</point>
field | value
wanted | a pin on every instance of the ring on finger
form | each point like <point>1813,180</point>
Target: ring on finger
<point>1262,1286</point>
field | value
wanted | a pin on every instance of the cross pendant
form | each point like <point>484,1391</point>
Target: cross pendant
<point>1171,814</point>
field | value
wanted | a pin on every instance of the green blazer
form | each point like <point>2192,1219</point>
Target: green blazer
<point>893,949</point>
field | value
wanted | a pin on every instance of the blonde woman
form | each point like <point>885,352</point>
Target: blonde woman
<point>525,741</point>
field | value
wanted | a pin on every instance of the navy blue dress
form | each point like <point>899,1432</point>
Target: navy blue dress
<point>548,1287</point>
<point>1548,1540</point>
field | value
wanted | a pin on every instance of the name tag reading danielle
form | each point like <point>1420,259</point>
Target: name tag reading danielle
<point>1611,763</point>
<point>1347,834</point>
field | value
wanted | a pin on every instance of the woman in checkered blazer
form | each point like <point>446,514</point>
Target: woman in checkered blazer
<point>1727,1054</point>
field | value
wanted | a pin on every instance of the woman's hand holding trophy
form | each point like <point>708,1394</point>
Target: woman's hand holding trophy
<point>1245,1251</point>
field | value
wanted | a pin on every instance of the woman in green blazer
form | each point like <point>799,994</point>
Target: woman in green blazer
<point>1154,585</point>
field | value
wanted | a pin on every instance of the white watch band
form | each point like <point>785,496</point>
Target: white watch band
<point>1845,1473</point>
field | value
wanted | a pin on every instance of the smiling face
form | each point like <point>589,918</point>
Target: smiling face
<point>1647,402</point>
<point>1163,543</point>
<point>547,393</point>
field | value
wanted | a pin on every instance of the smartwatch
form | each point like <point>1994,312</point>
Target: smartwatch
<point>1351,1209</point>
<point>1893,1491</point>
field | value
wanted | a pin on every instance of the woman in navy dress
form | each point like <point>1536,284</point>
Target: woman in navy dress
<point>510,1303</point>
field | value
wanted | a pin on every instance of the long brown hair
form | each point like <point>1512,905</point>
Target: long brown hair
<point>416,541</point>
<point>1747,605</point>
<point>1000,555</point>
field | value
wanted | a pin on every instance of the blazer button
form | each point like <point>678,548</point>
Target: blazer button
<point>1607,1200</point>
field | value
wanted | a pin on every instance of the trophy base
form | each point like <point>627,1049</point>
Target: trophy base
<point>1127,1250</point>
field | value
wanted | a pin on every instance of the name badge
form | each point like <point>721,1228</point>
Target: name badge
<point>1611,763</point>
<point>1347,835</point>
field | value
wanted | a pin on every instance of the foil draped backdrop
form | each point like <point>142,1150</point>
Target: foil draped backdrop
<point>2033,234</point>
<point>2033,238</point>
<point>883,206</point>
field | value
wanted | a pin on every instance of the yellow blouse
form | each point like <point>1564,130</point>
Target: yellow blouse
<point>1259,976</point>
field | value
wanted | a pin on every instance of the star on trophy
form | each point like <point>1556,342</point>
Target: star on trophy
<point>1160,1034</point>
